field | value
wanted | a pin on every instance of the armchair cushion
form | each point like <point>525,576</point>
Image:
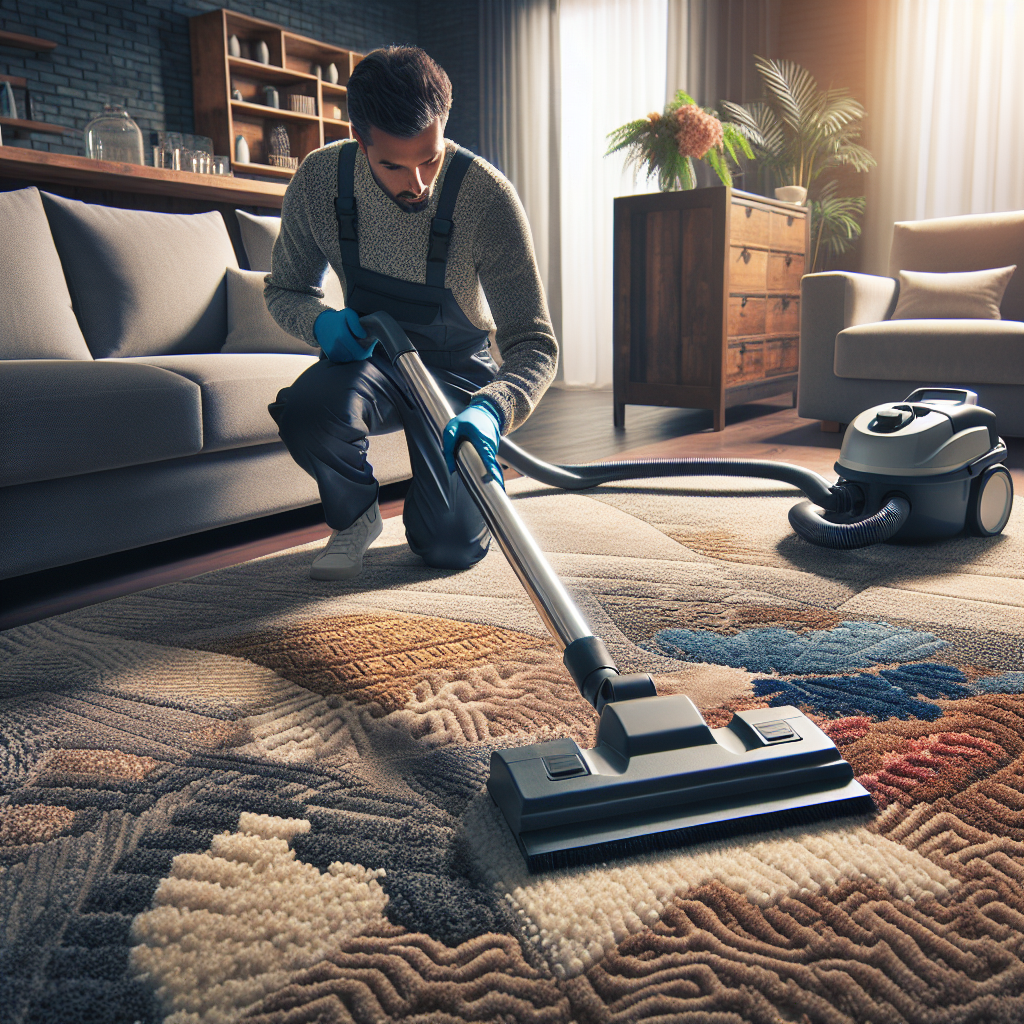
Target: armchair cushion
<point>967,295</point>
<point>36,318</point>
<point>143,283</point>
<point>951,351</point>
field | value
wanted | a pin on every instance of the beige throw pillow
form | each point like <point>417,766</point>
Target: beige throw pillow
<point>966,295</point>
<point>251,328</point>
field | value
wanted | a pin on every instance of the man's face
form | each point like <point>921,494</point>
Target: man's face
<point>406,168</point>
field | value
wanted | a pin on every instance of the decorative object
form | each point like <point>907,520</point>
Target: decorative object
<point>241,150</point>
<point>113,135</point>
<point>302,104</point>
<point>236,94</point>
<point>666,144</point>
<point>330,739</point>
<point>800,132</point>
<point>271,97</point>
<point>221,165</point>
<point>281,148</point>
<point>337,114</point>
<point>315,69</point>
<point>332,73</point>
<point>795,194</point>
<point>234,46</point>
<point>263,52</point>
<point>8,108</point>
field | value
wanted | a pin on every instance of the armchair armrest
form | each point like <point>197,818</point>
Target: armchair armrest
<point>829,303</point>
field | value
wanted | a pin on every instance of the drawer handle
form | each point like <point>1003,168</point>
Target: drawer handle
<point>785,303</point>
<point>743,349</point>
<point>743,304</point>
<point>745,255</point>
<point>750,212</point>
<point>789,221</point>
<point>789,260</point>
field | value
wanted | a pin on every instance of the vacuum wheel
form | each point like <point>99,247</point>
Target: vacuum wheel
<point>990,503</point>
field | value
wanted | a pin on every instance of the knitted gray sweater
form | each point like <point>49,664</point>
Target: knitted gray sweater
<point>491,271</point>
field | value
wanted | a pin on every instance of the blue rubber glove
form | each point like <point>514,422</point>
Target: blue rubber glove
<point>338,332</point>
<point>480,424</point>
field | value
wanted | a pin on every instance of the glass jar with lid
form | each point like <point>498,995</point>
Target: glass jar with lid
<point>113,135</point>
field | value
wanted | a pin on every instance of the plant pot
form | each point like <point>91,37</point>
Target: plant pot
<point>795,194</point>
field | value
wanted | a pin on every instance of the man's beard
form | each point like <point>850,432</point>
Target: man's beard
<point>403,204</point>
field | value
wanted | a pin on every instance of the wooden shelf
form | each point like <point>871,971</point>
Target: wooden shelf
<point>18,83</point>
<point>34,126</point>
<point>26,42</point>
<point>40,168</point>
<point>216,74</point>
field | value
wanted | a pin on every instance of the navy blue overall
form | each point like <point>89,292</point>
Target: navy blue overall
<point>325,417</point>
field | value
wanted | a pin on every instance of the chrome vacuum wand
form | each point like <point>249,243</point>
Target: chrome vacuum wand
<point>584,655</point>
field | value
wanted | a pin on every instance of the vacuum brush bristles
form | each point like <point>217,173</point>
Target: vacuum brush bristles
<point>658,775</point>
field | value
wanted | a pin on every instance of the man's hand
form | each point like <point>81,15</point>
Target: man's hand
<point>480,424</point>
<point>338,332</point>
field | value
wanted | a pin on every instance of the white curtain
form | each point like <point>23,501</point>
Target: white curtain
<point>946,108</point>
<point>613,66</point>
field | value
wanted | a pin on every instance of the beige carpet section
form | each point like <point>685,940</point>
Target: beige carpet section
<point>230,926</point>
<point>576,916</point>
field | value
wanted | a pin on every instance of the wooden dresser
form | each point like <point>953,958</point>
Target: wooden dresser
<point>707,299</point>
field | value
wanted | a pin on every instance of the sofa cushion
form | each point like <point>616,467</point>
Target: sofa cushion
<point>953,351</point>
<point>36,318</point>
<point>973,241</point>
<point>143,283</point>
<point>236,389</point>
<point>964,295</point>
<point>65,417</point>
<point>259,233</point>
<point>251,328</point>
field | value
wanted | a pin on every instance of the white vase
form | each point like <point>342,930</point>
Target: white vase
<point>241,150</point>
<point>795,194</point>
<point>234,47</point>
<point>262,52</point>
<point>332,74</point>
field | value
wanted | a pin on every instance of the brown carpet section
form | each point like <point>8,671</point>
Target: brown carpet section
<point>113,764</point>
<point>641,618</point>
<point>373,659</point>
<point>33,823</point>
<point>395,976</point>
<point>848,956</point>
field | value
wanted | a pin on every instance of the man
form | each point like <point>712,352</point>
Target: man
<point>425,231</point>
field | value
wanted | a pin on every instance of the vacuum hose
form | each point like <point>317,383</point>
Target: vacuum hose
<point>808,522</point>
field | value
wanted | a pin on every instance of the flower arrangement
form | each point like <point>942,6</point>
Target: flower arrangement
<point>666,144</point>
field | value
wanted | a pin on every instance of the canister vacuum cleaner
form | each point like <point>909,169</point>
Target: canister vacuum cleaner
<point>658,775</point>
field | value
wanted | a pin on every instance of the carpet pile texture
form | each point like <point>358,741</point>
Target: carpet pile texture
<point>255,797</point>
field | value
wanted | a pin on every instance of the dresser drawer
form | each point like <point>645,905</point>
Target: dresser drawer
<point>746,315</point>
<point>787,231</point>
<point>747,269</point>
<point>744,360</point>
<point>781,355</point>
<point>749,226</point>
<point>783,315</point>
<point>784,272</point>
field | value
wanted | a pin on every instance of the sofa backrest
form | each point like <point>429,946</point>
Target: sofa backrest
<point>143,283</point>
<point>36,317</point>
<point>972,242</point>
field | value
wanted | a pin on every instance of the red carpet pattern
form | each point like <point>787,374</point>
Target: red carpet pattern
<point>253,797</point>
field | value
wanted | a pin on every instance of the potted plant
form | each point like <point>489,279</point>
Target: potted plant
<point>799,134</point>
<point>666,144</point>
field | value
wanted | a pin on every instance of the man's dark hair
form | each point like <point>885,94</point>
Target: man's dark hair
<point>398,89</point>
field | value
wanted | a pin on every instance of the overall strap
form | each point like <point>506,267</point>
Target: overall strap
<point>441,225</point>
<point>345,204</point>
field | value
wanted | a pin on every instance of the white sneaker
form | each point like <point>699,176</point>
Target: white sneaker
<point>342,558</point>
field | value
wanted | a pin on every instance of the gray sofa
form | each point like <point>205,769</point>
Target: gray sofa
<point>136,365</point>
<point>854,355</point>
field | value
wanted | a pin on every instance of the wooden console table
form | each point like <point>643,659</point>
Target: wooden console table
<point>139,188</point>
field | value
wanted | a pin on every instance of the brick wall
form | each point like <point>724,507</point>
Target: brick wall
<point>136,52</point>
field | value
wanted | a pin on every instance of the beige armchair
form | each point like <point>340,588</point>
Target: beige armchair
<point>853,356</point>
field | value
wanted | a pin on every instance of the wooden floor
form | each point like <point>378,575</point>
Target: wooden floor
<point>568,426</point>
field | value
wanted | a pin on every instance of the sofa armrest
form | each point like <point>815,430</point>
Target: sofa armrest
<point>829,303</point>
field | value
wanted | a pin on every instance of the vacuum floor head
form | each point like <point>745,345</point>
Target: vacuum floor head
<point>659,777</point>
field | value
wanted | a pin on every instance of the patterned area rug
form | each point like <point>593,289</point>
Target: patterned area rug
<point>254,797</point>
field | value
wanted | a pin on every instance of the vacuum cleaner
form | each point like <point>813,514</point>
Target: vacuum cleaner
<point>658,776</point>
